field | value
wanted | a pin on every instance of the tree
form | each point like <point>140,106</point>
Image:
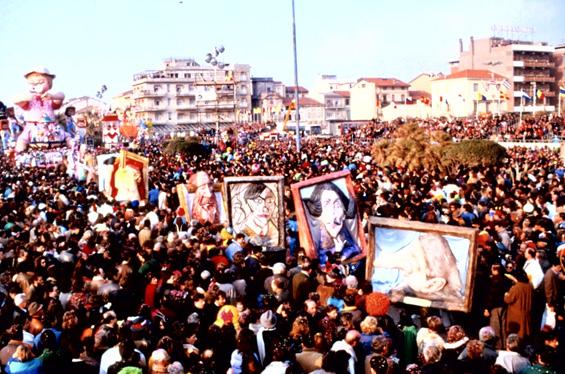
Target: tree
<point>187,146</point>
<point>471,153</point>
<point>413,148</point>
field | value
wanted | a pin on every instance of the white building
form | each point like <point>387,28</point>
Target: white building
<point>183,94</point>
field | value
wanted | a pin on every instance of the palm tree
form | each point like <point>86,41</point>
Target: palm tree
<point>411,148</point>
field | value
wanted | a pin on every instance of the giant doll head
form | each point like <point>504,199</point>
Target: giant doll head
<point>38,107</point>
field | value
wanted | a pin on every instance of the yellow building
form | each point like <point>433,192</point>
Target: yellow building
<point>470,92</point>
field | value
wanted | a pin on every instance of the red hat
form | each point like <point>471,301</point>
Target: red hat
<point>377,304</point>
<point>531,244</point>
<point>180,211</point>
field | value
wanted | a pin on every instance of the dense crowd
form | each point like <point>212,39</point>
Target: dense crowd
<point>95,286</point>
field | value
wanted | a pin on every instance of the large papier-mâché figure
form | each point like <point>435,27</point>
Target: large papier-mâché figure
<point>41,130</point>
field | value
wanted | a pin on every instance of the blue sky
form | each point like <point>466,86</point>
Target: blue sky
<point>88,43</point>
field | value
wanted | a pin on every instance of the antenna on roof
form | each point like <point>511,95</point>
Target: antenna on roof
<point>460,45</point>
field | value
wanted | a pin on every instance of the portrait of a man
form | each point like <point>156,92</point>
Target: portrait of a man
<point>413,261</point>
<point>327,212</point>
<point>200,200</point>
<point>255,209</point>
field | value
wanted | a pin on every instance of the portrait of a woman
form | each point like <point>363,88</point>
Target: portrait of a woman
<point>333,214</point>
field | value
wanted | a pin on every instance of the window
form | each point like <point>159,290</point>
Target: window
<point>346,101</point>
<point>475,87</point>
<point>168,102</point>
<point>157,103</point>
<point>170,116</point>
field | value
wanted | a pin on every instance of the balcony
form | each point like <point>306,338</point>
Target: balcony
<point>213,105</point>
<point>147,93</point>
<point>151,108</point>
<point>160,76</point>
<point>535,63</point>
<point>187,106</point>
<point>185,93</point>
<point>538,78</point>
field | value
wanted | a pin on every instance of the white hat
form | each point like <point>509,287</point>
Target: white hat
<point>528,208</point>
<point>268,319</point>
<point>279,268</point>
<point>351,281</point>
<point>205,274</point>
<point>40,70</point>
<point>19,299</point>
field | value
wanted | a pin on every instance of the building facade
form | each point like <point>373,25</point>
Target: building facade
<point>267,99</point>
<point>370,95</point>
<point>469,93</point>
<point>183,95</point>
<point>529,66</point>
<point>559,57</point>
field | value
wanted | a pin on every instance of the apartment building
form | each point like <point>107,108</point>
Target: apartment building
<point>267,99</point>
<point>184,95</point>
<point>326,83</point>
<point>529,66</point>
<point>290,92</point>
<point>369,95</point>
<point>559,57</point>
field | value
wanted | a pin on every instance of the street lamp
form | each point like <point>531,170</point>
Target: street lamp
<point>296,80</point>
<point>212,59</point>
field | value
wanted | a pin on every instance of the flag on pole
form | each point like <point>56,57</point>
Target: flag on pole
<point>506,84</point>
<point>540,94</point>
<point>481,97</point>
<point>525,95</point>
<point>561,91</point>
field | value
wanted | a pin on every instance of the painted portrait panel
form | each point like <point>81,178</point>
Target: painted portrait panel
<point>201,199</point>
<point>256,208</point>
<point>328,218</point>
<point>105,166</point>
<point>423,264</point>
<point>129,180</point>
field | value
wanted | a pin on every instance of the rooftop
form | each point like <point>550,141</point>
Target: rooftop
<point>385,82</point>
<point>473,74</point>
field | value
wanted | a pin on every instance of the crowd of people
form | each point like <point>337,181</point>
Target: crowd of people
<point>97,286</point>
<point>507,127</point>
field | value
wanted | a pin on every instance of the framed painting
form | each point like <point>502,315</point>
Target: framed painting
<point>105,166</point>
<point>429,265</point>
<point>255,207</point>
<point>129,179</point>
<point>329,224</point>
<point>201,199</point>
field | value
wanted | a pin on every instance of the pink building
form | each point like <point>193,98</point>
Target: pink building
<point>528,66</point>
